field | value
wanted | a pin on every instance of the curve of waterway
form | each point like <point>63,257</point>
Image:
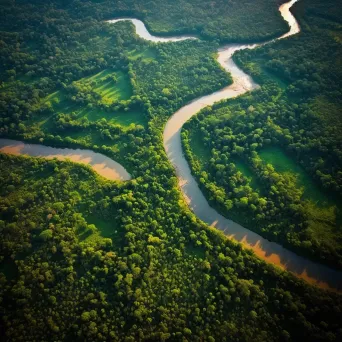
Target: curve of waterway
<point>271,252</point>
<point>144,34</point>
<point>103,165</point>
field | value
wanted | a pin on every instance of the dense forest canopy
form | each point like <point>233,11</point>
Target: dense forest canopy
<point>251,171</point>
<point>224,20</point>
<point>86,259</point>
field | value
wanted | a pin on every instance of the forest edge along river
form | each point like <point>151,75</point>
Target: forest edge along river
<point>271,252</point>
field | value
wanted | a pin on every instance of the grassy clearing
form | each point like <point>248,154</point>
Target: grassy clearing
<point>122,118</point>
<point>111,86</point>
<point>147,54</point>
<point>62,105</point>
<point>98,229</point>
<point>248,173</point>
<point>106,228</point>
<point>109,91</point>
<point>201,151</point>
<point>325,224</point>
<point>282,163</point>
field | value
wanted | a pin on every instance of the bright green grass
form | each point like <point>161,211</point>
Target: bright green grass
<point>119,117</point>
<point>282,163</point>
<point>57,99</point>
<point>198,148</point>
<point>109,90</point>
<point>61,104</point>
<point>104,229</point>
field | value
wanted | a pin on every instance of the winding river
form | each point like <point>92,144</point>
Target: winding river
<point>103,165</point>
<point>271,252</point>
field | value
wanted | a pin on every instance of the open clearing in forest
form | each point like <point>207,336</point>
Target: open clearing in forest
<point>147,54</point>
<point>201,151</point>
<point>103,229</point>
<point>111,85</point>
<point>323,212</point>
<point>121,90</point>
<point>324,217</point>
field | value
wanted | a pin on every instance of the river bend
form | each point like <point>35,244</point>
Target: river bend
<point>269,251</point>
<point>104,166</point>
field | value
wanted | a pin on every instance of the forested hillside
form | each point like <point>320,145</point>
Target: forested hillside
<point>87,259</point>
<point>275,162</point>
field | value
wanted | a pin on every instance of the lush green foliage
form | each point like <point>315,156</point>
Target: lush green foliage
<point>275,162</point>
<point>86,259</point>
<point>222,20</point>
<point>95,85</point>
<point>158,275</point>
